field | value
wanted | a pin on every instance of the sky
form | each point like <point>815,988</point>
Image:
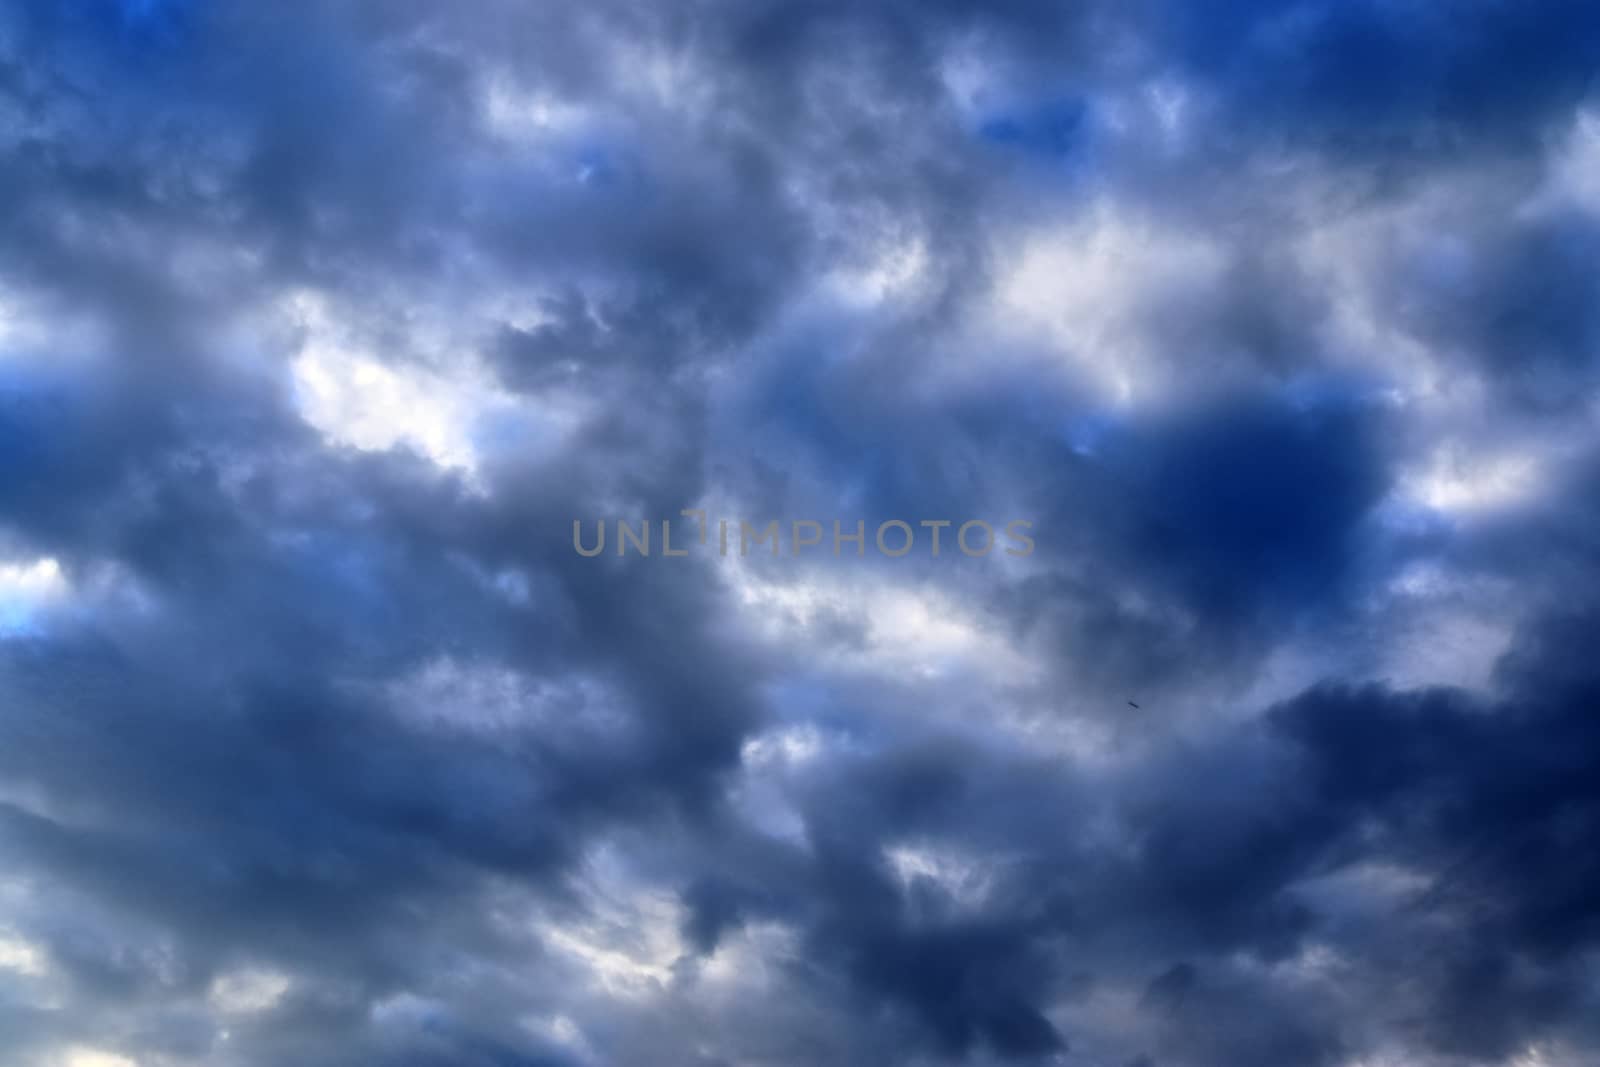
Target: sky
<point>1275,321</point>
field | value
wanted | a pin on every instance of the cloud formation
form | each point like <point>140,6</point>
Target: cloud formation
<point>321,323</point>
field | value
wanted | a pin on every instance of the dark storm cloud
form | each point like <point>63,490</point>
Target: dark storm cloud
<point>1514,300</point>
<point>319,324</point>
<point>1403,79</point>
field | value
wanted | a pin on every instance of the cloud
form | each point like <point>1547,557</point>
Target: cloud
<point>319,325</point>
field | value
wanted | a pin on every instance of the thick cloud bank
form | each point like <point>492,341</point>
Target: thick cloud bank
<point>321,324</point>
